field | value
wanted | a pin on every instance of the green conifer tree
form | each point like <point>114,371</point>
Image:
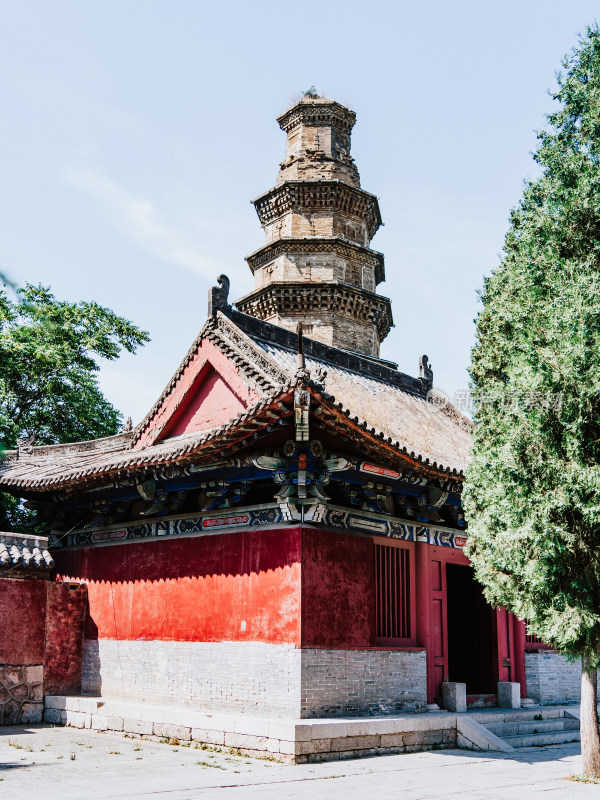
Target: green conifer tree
<point>532,497</point>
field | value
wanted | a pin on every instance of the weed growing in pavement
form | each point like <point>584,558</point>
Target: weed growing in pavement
<point>204,746</point>
<point>18,746</point>
<point>114,753</point>
<point>73,756</point>
<point>209,764</point>
<point>582,779</point>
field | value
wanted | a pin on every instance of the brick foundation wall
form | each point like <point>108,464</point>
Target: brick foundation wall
<point>347,682</point>
<point>551,678</point>
<point>252,677</point>
<point>255,677</point>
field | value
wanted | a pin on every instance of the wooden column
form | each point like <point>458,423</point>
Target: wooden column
<point>422,602</point>
<point>519,660</point>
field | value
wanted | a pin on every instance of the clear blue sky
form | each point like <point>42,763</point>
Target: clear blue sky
<point>135,133</point>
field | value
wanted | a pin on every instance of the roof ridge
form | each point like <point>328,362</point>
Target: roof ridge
<point>99,445</point>
<point>244,345</point>
<point>343,359</point>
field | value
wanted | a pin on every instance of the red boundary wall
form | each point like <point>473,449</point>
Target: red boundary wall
<point>41,623</point>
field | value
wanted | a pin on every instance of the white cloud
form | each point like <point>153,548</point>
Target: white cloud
<point>140,220</point>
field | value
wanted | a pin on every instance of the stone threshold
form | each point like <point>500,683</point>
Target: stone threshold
<point>292,741</point>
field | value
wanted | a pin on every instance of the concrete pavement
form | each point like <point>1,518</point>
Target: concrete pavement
<point>54,762</point>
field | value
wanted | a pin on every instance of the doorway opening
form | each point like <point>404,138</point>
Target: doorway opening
<point>470,632</point>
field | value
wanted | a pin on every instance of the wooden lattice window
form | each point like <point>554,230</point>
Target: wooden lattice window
<point>531,639</point>
<point>394,610</point>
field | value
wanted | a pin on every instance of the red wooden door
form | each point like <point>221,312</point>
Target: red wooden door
<point>505,646</point>
<point>438,656</point>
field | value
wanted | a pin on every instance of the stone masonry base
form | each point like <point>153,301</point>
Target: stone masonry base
<point>21,694</point>
<point>292,741</point>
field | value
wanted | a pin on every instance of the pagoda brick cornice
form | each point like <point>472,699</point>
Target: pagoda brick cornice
<point>336,244</point>
<point>319,196</point>
<point>340,299</point>
<point>318,112</point>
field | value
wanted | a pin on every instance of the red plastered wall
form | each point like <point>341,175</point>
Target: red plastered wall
<point>228,587</point>
<point>65,615</point>
<point>338,607</point>
<point>22,621</point>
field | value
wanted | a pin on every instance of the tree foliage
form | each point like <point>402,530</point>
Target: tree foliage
<point>532,498</point>
<point>49,352</point>
<point>533,487</point>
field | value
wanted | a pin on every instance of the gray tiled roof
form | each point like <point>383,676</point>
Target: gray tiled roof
<point>22,551</point>
<point>371,393</point>
<point>434,430</point>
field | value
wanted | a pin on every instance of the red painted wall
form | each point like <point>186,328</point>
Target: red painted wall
<point>209,392</point>
<point>65,616</point>
<point>42,623</point>
<point>338,594</point>
<point>22,621</point>
<point>194,589</point>
<point>209,404</point>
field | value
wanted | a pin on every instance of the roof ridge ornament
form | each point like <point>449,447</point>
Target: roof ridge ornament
<point>26,444</point>
<point>218,296</point>
<point>425,373</point>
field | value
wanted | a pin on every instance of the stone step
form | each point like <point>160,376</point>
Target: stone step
<point>504,729</point>
<point>516,715</point>
<point>541,739</point>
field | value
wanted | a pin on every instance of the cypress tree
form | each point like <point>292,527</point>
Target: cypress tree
<point>532,496</point>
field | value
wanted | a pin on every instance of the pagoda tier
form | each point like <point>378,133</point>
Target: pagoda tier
<point>317,266</point>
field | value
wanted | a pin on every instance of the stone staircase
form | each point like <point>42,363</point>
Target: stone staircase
<point>532,727</point>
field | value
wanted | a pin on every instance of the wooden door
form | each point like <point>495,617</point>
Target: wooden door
<point>505,646</point>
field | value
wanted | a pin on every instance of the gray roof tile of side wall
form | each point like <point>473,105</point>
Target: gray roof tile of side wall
<point>422,427</point>
<point>23,551</point>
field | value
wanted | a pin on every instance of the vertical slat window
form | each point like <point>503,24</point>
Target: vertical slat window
<point>392,592</point>
<point>533,642</point>
<point>531,639</point>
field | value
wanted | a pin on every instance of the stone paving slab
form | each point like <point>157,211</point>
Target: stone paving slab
<point>38,761</point>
